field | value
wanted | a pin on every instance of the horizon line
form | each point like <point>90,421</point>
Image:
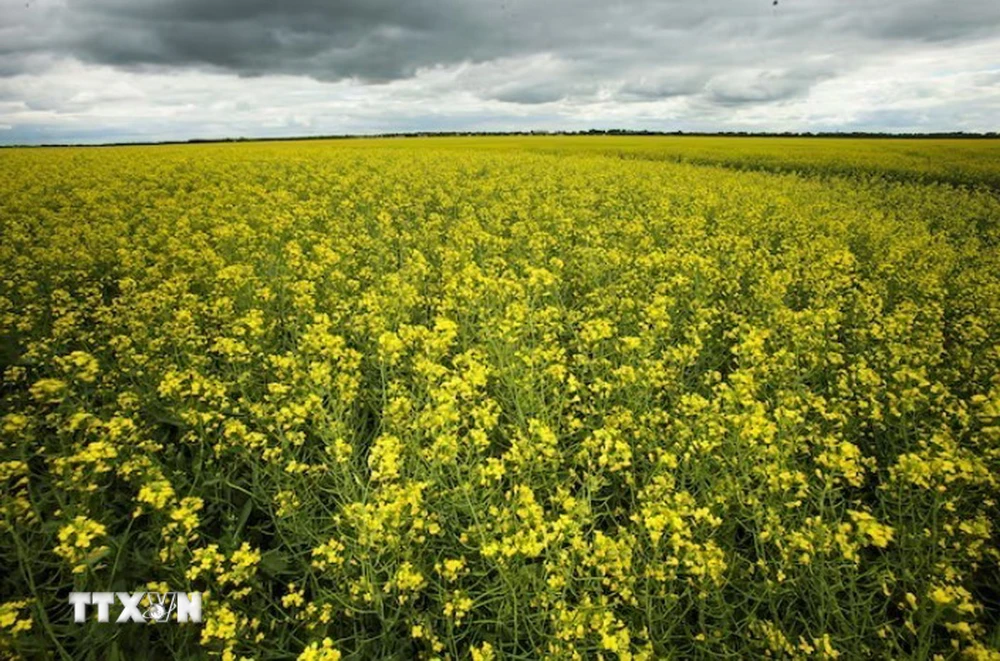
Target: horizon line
<point>987,135</point>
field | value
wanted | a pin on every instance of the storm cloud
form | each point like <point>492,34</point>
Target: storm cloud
<point>69,67</point>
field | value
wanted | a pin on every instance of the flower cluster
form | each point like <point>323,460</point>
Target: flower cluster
<point>505,398</point>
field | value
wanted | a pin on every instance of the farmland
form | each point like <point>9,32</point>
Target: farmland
<point>504,397</point>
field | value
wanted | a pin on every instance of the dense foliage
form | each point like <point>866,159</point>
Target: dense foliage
<point>503,398</point>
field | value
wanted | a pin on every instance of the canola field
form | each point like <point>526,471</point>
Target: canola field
<point>504,398</point>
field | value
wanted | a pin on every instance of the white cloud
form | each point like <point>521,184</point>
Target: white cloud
<point>813,65</point>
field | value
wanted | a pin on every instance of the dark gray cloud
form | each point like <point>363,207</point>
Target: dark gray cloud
<point>663,84</point>
<point>373,41</point>
<point>530,94</point>
<point>595,56</point>
<point>758,86</point>
<point>929,20</point>
<point>370,40</point>
<point>384,40</point>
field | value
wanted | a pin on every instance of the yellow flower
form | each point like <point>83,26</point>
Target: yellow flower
<point>408,579</point>
<point>49,391</point>
<point>324,651</point>
<point>294,597</point>
<point>76,542</point>
<point>12,620</point>
<point>451,568</point>
<point>158,493</point>
<point>484,652</point>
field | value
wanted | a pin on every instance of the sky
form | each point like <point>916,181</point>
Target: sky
<point>138,70</point>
